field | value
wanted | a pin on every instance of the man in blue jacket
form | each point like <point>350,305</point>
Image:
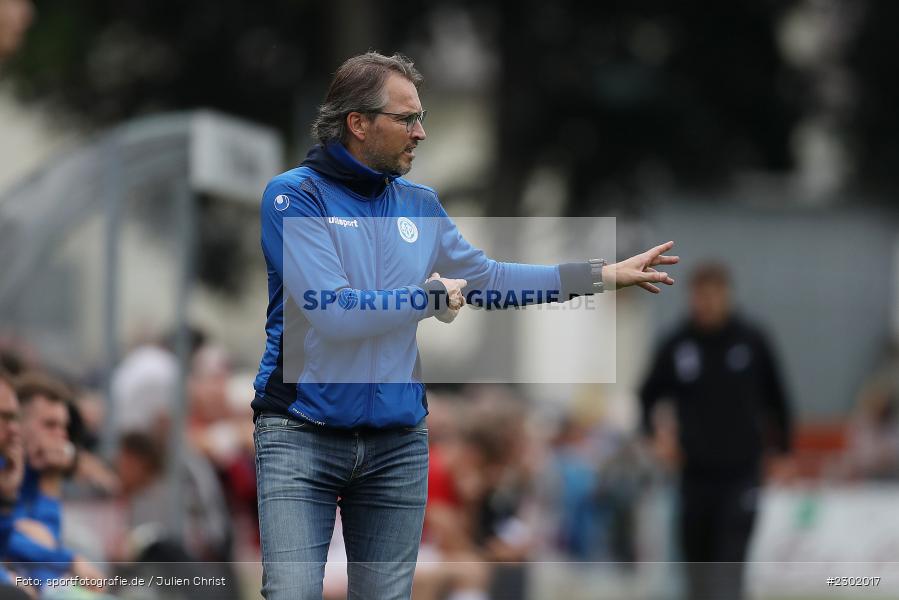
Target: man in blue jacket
<point>12,469</point>
<point>35,543</point>
<point>12,462</point>
<point>357,256</point>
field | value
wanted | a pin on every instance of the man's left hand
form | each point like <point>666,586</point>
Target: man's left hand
<point>455,302</point>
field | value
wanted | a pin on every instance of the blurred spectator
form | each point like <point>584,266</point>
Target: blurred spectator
<point>450,563</point>
<point>12,470</point>
<point>90,408</point>
<point>155,544</point>
<point>144,385</point>
<point>730,407</point>
<point>206,533</point>
<point>12,465</point>
<point>220,426</point>
<point>220,430</point>
<point>504,529</point>
<point>144,388</point>
<point>141,468</point>
<point>11,362</point>
<point>208,386</point>
<point>575,472</point>
<point>591,484</point>
<point>92,476</point>
<point>873,450</point>
<point>475,523</point>
<point>15,19</point>
<point>161,543</point>
<point>36,541</point>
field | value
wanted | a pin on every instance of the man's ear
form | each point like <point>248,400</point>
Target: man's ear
<point>357,125</point>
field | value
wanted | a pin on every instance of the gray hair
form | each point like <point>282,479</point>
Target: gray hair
<point>358,86</point>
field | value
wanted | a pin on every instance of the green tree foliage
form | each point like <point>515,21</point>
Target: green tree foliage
<point>106,60</point>
<point>626,92</point>
<point>874,119</point>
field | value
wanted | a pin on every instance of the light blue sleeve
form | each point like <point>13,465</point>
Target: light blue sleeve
<point>302,252</point>
<point>517,284</point>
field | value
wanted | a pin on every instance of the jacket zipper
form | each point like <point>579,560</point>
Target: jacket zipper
<point>374,348</point>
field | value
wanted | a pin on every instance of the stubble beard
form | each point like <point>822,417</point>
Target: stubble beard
<point>382,162</point>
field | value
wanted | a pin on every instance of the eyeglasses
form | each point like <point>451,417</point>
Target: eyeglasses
<point>408,119</point>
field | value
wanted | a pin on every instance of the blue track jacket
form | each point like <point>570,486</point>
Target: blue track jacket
<point>343,243</point>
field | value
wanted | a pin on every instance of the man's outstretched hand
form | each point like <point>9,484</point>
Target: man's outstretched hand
<point>638,270</point>
<point>455,297</point>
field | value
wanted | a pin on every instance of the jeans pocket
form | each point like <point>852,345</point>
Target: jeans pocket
<point>421,428</point>
<point>265,422</point>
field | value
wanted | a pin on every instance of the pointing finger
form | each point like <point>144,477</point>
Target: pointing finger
<point>660,249</point>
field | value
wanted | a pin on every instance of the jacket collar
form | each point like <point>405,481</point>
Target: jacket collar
<point>335,161</point>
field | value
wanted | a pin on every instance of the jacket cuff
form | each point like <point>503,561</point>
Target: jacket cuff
<point>576,280</point>
<point>438,298</point>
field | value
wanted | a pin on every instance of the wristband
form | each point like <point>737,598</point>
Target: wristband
<point>596,265</point>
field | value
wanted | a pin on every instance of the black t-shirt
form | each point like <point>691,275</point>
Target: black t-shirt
<point>727,393</point>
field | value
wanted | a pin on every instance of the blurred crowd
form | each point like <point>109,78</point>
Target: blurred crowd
<point>92,487</point>
<point>137,503</point>
<point>510,481</point>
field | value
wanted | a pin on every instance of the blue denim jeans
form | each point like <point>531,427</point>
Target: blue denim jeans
<point>379,479</point>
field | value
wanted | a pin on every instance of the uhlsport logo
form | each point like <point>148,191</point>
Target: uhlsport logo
<point>344,222</point>
<point>408,230</point>
<point>281,202</point>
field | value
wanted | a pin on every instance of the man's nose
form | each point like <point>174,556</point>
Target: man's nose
<point>418,131</point>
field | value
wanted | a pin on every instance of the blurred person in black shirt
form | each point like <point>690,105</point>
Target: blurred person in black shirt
<point>720,375</point>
